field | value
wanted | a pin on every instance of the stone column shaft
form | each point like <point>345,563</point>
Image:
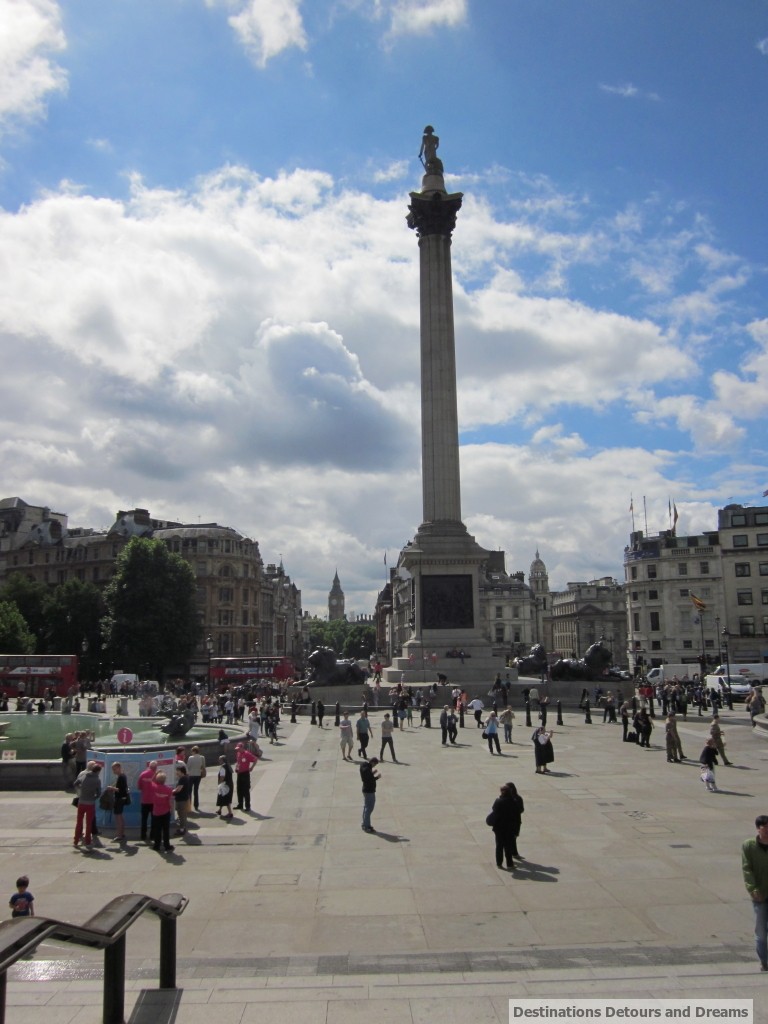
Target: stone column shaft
<point>441,482</point>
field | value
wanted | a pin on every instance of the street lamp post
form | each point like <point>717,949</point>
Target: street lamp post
<point>209,649</point>
<point>726,638</point>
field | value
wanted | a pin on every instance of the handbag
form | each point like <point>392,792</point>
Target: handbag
<point>107,800</point>
<point>490,821</point>
<point>203,772</point>
<point>75,801</point>
<point>485,735</point>
<point>707,775</point>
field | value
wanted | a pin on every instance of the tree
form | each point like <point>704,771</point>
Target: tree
<point>151,619</point>
<point>73,613</point>
<point>29,598</point>
<point>347,639</point>
<point>15,637</point>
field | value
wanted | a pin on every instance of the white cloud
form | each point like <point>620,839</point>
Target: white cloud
<point>247,350</point>
<point>30,34</point>
<point>409,17</point>
<point>763,46</point>
<point>628,91</point>
<point>266,28</point>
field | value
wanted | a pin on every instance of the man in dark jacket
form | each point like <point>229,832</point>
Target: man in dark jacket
<point>369,775</point>
<point>505,819</point>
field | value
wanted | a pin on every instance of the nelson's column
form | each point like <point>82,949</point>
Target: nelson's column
<point>439,572</point>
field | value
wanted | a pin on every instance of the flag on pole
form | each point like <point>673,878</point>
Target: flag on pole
<point>675,516</point>
<point>385,558</point>
<point>765,494</point>
<point>632,503</point>
<point>698,604</point>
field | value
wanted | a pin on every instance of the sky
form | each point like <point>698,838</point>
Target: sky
<point>209,296</point>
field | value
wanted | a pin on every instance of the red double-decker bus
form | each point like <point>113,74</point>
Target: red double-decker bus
<point>30,675</point>
<point>241,671</point>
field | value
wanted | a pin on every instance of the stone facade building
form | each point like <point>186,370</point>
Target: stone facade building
<point>245,608</point>
<point>584,613</point>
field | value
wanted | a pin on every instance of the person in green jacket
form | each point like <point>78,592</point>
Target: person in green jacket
<point>754,866</point>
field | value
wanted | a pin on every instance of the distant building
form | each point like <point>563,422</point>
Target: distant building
<point>244,608</point>
<point>743,536</point>
<point>585,613</point>
<point>335,600</point>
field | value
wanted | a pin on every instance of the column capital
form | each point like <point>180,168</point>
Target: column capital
<point>433,213</point>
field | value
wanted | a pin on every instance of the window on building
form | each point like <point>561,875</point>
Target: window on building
<point>651,572</point>
<point>654,617</point>
<point>225,616</point>
<point>738,519</point>
<point>515,611</point>
<point>655,645</point>
<point>245,617</point>
<point>633,572</point>
<point>517,636</point>
<point>761,518</point>
<point>682,568</point>
<point>764,596</point>
<point>743,597</point>
<point>762,540</point>
<point>201,595</point>
<point>703,568</point>
<point>636,620</point>
<point>688,645</point>
<point>95,573</point>
<point>226,594</point>
<point>709,643</point>
<point>747,625</point>
<point>246,595</point>
<point>742,569</point>
<point>202,569</point>
<point>499,634</point>
<point>634,595</point>
<point>684,592</point>
<point>499,612</point>
<point>763,568</point>
<point>31,558</point>
<point>740,540</point>
<point>653,595</point>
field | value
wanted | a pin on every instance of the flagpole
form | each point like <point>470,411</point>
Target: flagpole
<point>632,510</point>
<point>645,516</point>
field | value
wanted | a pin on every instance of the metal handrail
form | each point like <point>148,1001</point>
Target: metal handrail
<point>105,930</point>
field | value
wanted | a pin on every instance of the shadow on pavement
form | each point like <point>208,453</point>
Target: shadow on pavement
<point>156,1006</point>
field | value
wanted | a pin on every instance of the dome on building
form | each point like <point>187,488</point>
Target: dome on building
<point>537,565</point>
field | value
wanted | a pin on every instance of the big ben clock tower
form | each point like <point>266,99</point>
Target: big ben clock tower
<point>336,600</point>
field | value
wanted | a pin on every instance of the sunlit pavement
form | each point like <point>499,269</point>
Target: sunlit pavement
<point>631,884</point>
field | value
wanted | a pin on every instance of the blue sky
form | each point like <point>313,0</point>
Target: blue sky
<point>209,298</point>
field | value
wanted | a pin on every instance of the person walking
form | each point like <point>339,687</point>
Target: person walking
<point>196,772</point>
<point>444,724</point>
<point>345,737</point>
<point>708,760</point>
<point>476,706</point>
<point>22,902</point>
<point>505,820</point>
<point>88,786</point>
<point>387,728</point>
<point>543,750</point>
<point>717,735</point>
<point>453,726</point>
<point>369,777</point>
<point>643,727</point>
<point>754,869</point>
<point>364,733</point>
<point>491,732</point>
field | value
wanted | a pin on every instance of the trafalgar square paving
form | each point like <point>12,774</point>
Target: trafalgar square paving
<point>630,888</point>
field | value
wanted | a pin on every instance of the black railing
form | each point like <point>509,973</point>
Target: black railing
<point>105,930</point>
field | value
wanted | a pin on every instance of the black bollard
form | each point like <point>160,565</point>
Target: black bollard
<point>730,701</point>
<point>461,714</point>
<point>528,713</point>
<point>293,712</point>
<point>338,714</point>
<point>587,715</point>
<point>559,713</point>
<point>314,713</point>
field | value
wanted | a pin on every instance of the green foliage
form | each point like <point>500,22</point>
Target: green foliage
<point>151,619</point>
<point>29,598</point>
<point>73,613</point>
<point>347,639</point>
<point>15,637</point>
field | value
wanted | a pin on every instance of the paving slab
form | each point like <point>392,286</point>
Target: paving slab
<point>632,886</point>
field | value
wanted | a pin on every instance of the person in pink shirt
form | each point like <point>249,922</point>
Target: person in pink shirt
<point>244,765</point>
<point>145,782</point>
<point>162,797</point>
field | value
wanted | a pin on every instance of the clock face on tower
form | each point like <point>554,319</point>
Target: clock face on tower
<point>334,602</point>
